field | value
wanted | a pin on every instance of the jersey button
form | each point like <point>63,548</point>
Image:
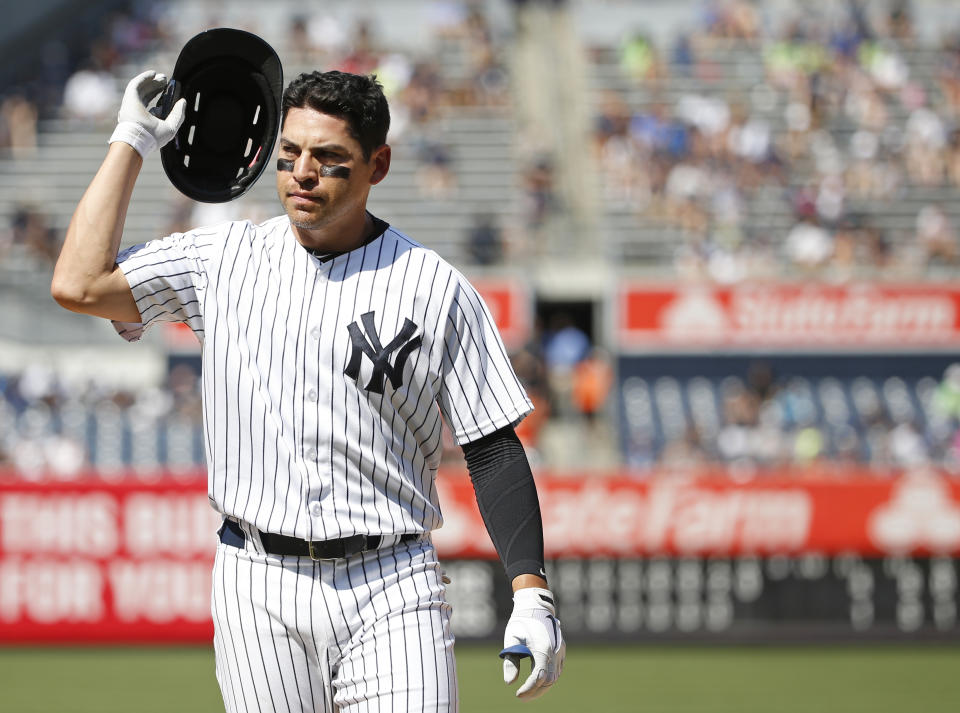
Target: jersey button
<point>315,332</point>
<point>312,395</point>
<point>310,454</point>
<point>316,510</point>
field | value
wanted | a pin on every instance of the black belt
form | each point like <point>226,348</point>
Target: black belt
<point>232,534</point>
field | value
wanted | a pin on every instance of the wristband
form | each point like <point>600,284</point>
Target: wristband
<point>534,598</point>
<point>130,132</point>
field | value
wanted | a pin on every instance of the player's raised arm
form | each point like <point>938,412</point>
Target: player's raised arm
<point>86,278</point>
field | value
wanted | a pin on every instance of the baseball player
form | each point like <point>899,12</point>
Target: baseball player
<point>333,346</point>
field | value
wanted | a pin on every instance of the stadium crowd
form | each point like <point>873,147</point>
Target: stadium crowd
<point>848,117</point>
<point>839,125</point>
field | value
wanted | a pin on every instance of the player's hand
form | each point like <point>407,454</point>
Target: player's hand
<point>533,630</point>
<point>141,127</point>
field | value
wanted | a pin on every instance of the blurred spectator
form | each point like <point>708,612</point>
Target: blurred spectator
<point>638,57</point>
<point>183,383</point>
<point>592,379</point>
<point>925,141</point>
<point>752,432</point>
<point>29,239</point>
<point>485,240</point>
<point>935,237</point>
<point>952,158</point>
<point>682,57</point>
<point>900,22</point>
<point>808,245</point>
<point>906,446</point>
<point>362,56</point>
<point>564,346</point>
<point>870,174</point>
<point>446,19</point>
<point>135,31</point>
<point>420,98</point>
<point>686,451</point>
<point>90,94</point>
<point>50,455</point>
<point>435,178</point>
<point>947,397</point>
<point>488,76</point>
<point>394,72</point>
<point>732,19</point>
<point>687,184</point>
<point>18,126</point>
<point>808,445</point>
<point>539,199</point>
<point>326,38</point>
<point>299,42</point>
<point>884,64</point>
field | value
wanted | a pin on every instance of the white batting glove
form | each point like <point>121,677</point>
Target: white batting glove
<point>533,630</point>
<point>140,127</point>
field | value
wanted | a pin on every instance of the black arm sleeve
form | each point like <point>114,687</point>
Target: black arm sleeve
<point>507,498</point>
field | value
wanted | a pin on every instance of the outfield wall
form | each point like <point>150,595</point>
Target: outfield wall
<point>818,554</point>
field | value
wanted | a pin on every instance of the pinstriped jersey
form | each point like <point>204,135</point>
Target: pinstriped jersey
<point>324,380</point>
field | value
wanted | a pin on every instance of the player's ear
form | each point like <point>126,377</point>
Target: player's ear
<point>381,164</point>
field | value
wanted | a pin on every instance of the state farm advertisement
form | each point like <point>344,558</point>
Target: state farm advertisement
<point>913,513</point>
<point>782,315</point>
<point>128,561</point>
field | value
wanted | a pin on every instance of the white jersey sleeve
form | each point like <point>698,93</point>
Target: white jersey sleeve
<point>168,278</point>
<point>480,393</point>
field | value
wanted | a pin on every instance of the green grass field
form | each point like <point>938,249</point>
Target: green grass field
<point>641,679</point>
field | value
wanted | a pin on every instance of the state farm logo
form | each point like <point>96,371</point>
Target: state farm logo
<point>860,313</point>
<point>695,315</point>
<point>670,516</point>
<point>921,513</point>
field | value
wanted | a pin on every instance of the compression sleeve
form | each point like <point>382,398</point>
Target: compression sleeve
<point>507,498</point>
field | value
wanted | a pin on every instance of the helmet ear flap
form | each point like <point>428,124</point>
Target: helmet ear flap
<point>232,82</point>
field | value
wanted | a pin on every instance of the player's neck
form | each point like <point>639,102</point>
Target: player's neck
<point>340,237</point>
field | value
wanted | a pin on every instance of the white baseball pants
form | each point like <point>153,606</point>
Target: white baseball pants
<point>367,633</point>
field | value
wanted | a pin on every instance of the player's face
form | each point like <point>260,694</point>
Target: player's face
<point>322,178</point>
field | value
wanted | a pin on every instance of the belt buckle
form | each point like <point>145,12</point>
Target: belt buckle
<point>349,546</point>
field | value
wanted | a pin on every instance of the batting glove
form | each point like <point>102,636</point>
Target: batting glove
<point>533,630</point>
<point>141,127</point>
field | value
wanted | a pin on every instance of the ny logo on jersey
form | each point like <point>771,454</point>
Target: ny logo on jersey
<point>403,344</point>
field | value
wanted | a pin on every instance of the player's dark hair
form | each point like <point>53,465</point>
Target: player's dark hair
<point>355,98</point>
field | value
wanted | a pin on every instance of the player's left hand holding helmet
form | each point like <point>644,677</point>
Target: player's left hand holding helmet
<point>142,127</point>
<point>533,630</point>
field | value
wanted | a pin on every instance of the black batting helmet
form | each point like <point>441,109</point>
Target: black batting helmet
<point>232,81</point>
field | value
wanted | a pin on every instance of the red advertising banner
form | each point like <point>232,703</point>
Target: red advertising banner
<point>510,306</point>
<point>128,561</point>
<point>861,513</point>
<point>788,315</point>
<point>98,562</point>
